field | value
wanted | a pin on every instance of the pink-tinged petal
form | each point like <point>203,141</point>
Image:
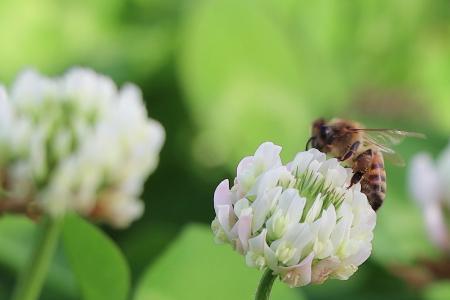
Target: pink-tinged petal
<point>237,246</point>
<point>322,270</point>
<point>436,226</point>
<point>257,243</point>
<point>244,164</point>
<point>244,230</point>
<point>225,216</point>
<point>298,275</point>
<point>222,195</point>
<point>424,180</point>
<point>443,166</point>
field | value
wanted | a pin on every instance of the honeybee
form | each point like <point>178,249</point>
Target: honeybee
<point>362,149</point>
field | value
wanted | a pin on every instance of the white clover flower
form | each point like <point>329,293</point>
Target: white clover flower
<point>443,169</point>
<point>299,219</point>
<point>76,143</point>
<point>429,186</point>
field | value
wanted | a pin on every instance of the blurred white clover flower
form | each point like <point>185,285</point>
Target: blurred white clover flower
<point>76,143</point>
<point>299,219</point>
<point>429,186</point>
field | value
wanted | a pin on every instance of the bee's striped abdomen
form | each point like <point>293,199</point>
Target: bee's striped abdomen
<point>373,184</point>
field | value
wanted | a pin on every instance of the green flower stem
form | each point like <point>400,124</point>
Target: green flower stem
<point>34,273</point>
<point>265,285</point>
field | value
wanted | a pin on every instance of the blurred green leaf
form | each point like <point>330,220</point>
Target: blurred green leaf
<point>140,251</point>
<point>16,239</point>
<point>195,268</point>
<point>98,265</point>
<point>432,72</point>
<point>439,290</point>
<point>241,80</point>
<point>16,235</point>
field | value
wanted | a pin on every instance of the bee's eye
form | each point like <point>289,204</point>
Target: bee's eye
<point>324,131</point>
<point>326,134</point>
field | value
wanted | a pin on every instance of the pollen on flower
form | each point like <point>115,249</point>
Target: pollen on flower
<point>75,143</point>
<point>298,219</point>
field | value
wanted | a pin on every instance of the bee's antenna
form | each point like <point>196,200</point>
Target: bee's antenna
<point>309,142</point>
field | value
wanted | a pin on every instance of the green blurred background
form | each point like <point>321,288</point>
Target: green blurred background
<point>224,76</point>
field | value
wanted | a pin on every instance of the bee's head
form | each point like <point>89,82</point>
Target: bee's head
<point>321,135</point>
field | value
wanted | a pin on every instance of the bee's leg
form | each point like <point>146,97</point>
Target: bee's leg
<point>356,178</point>
<point>351,151</point>
<point>308,143</point>
<point>361,166</point>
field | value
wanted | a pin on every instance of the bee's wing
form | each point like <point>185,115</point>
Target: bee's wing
<point>384,138</point>
<point>381,145</point>
<point>389,136</point>
<point>395,159</point>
